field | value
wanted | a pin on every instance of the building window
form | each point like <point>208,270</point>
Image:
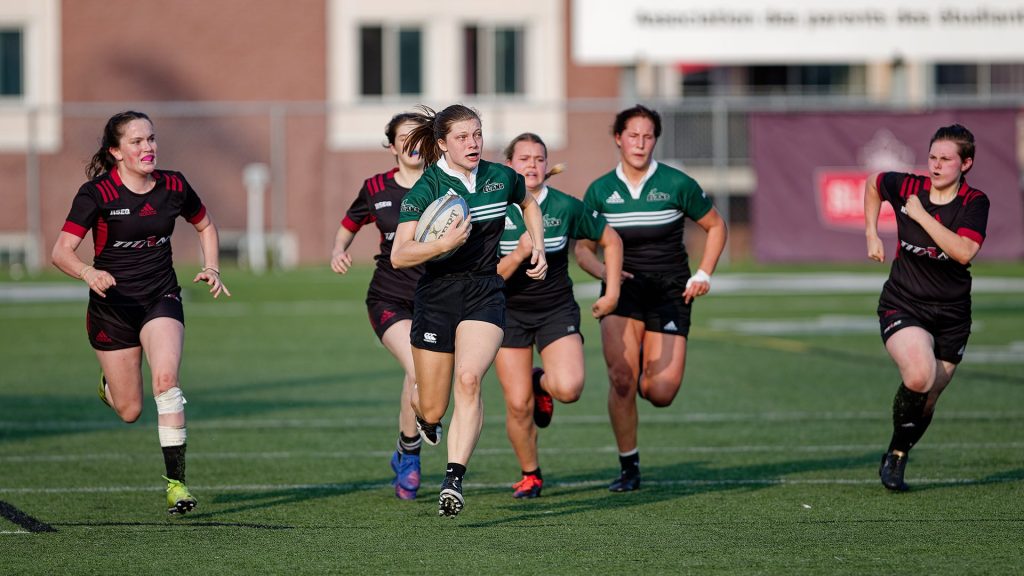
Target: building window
<point>798,80</point>
<point>391,61</point>
<point>979,79</point>
<point>11,63</point>
<point>493,60</point>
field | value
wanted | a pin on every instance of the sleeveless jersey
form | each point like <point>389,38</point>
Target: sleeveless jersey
<point>132,232</point>
<point>651,224</point>
<point>565,218</point>
<point>379,202</point>
<point>920,269</point>
<point>496,186</point>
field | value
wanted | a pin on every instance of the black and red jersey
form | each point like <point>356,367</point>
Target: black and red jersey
<point>920,269</point>
<point>379,201</point>
<point>132,232</point>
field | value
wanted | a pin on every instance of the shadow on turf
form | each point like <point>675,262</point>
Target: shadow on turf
<point>663,483</point>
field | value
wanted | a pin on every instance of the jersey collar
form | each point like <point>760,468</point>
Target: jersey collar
<point>540,199</point>
<point>469,183</point>
<point>635,192</point>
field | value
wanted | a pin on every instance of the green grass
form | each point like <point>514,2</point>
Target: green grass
<point>766,463</point>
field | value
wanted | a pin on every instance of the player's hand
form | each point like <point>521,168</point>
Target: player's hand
<point>341,261</point>
<point>698,285</point>
<point>540,265</point>
<point>212,278</point>
<point>876,251</point>
<point>604,306</point>
<point>456,236</point>
<point>914,209</point>
<point>99,281</point>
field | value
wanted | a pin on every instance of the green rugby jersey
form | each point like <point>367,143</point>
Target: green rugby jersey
<point>488,194</point>
<point>650,223</point>
<point>565,218</point>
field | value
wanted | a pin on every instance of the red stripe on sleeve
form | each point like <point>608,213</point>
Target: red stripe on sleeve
<point>971,235</point>
<point>76,229</point>
<point>199,215</point>
<point>350,224</point>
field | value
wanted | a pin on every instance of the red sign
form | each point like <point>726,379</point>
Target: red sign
<point>840,197</point>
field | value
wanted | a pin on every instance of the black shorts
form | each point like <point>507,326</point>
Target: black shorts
<point>524,328</point>
<point>657,301</point>
<point>118,327</point>
<point>948,323</point>
<point>441,303</point>
<point>384,313</point>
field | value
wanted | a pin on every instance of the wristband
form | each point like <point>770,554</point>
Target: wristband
<point>699,276</point>
<point>81,274</point>
<point>212,269</point>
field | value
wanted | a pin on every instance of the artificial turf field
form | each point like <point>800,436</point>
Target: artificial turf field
<point>765,464</point>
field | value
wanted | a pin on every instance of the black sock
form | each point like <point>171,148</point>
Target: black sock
<point>409,444</point>
<point>534,473</point>
<point>918,430</point>
<point>174,461</point>
<point>907,415</point>
<point>630,463</point>
<point>456,470</point>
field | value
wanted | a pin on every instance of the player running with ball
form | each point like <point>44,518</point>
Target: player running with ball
<point>459,305</point>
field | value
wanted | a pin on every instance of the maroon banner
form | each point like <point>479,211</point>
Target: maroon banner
<point>811,168</point>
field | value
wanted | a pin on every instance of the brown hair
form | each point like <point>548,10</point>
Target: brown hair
<point>639,110</point>
<point>957,134</point>
<point>103,161</point>
<point>433,126</point>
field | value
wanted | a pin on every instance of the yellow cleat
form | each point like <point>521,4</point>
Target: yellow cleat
<point>179,500</point>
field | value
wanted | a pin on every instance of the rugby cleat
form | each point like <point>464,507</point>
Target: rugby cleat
<point>450,502</point>
<point>407,475</point>
<point>528,487</point>
<point>626,482</point>
<point>543,404</point>
<point>891,471</point>
<point>179,500</point>
<point>431,433</point>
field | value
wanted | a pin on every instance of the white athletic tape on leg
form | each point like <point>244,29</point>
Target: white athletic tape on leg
<point>171,435</point>
<point>170,402</point>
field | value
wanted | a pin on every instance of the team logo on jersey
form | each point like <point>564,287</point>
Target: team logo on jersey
<point>384,204</point>
<point>930,251</point>
<point>615,198</point>
<point>551,221</point>
<point>493,187</point>
<point>151,242</point>
<point>407,207</point>
<point>656,196</point>
<point>121,212</point>
<point>509,224</point>
<point>147,210</point>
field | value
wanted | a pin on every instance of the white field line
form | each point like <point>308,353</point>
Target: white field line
<point>663,418</point>
<point>492,485</point>
<point>372,454</point>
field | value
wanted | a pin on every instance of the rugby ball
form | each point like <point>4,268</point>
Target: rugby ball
<point>439,217</point>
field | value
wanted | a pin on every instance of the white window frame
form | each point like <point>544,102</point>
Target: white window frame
<point>356,122</point>
<point>32,120</point>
